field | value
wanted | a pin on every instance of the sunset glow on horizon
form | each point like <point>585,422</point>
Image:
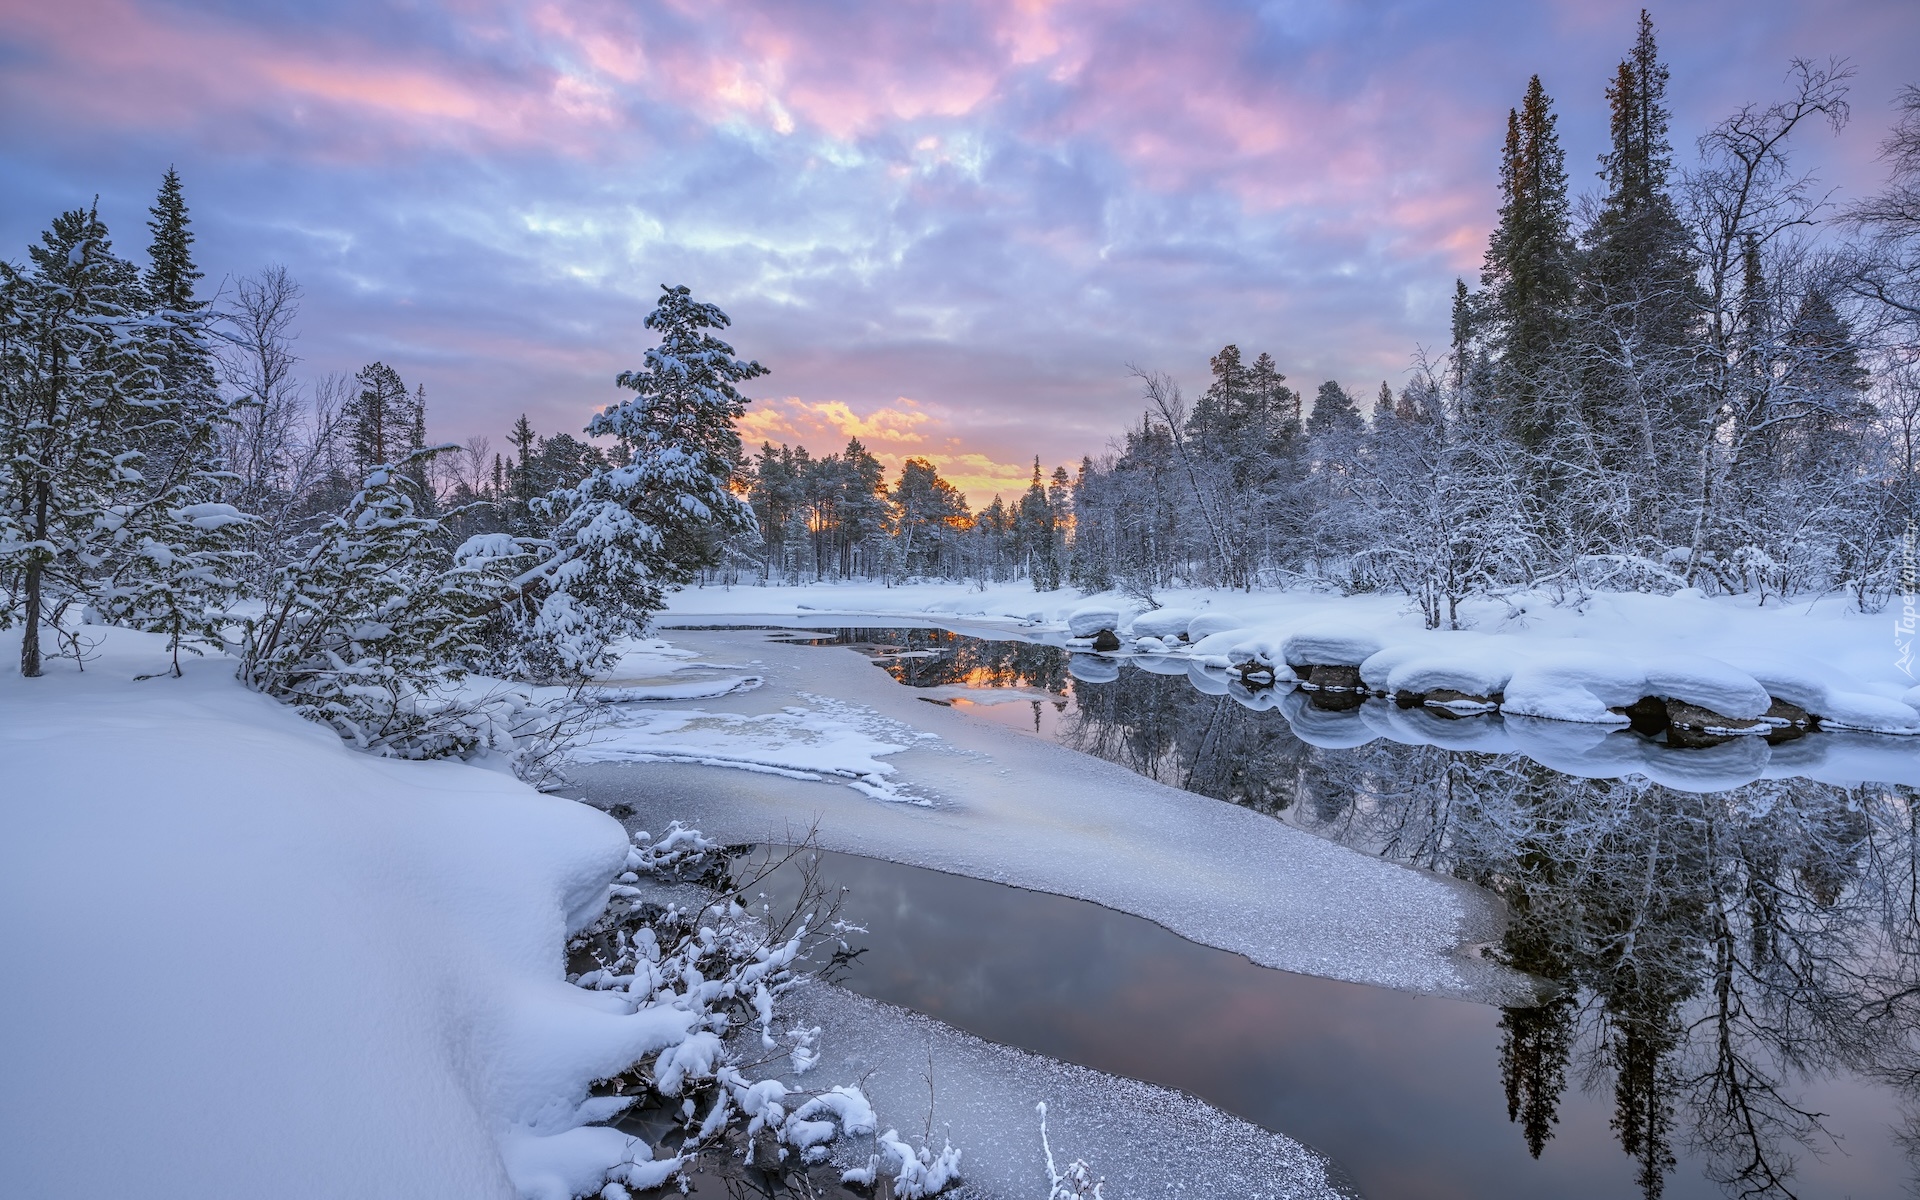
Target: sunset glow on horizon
<point>948,230</point>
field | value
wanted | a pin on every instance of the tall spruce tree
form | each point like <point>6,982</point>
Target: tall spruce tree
<point>1638,300</point>
<point>1529,269</point>
<point>171,273</point>
<point>80,395</point>
<point>177,331</point>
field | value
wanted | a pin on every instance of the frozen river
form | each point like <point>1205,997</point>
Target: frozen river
<point>1219,844</point>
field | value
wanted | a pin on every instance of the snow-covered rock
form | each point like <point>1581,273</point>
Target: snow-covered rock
<point>1217,645</point>
<point>1163,622</point>
<point>1477,667</point>
<point>1575,685</point>
<point>1207,624</point>
<point>1331,645</point>
<point>1867,713</point>
<point>1708,683</point>
<point>1263,649</point>
<point>1090,619</point>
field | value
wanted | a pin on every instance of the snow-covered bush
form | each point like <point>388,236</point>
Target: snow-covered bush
<point>715,971</point>
<point>370,627</point>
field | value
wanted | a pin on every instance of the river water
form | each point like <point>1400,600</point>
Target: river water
<point>1736,973</point>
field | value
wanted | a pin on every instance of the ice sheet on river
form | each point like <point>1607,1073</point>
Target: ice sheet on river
<point>815,740</point>
<point>1023,811</point>
<point>1145,1140</point>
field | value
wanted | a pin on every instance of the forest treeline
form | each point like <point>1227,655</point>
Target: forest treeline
<point>1702,376</point>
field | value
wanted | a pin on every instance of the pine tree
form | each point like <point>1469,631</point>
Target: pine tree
<point>1333,412</point>
<point>1528,271</point>
<point>380,419</point>
<point>928,512</point>
<point>625,535</point>
<point>80,394</point>
<point>1383,406</point>
<point>1033,534</point>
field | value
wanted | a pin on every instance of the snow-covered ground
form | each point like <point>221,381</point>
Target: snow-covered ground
<point>240,958</point>
<point>1561,662</point>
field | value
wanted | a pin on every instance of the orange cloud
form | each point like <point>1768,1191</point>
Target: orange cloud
<point>891,433</point>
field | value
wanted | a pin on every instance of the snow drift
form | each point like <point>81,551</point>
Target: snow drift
<point>318,973</point>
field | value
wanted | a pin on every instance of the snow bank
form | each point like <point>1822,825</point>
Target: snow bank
<point>1707,682</point>
<point>319,974</point>
<point>1163,623</point>
<point>1330,645</point>
<point>1569,662</point>
<point>1575,685</point>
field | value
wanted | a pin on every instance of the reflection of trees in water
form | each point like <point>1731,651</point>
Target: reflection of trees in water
<point>1712,950</point>
<point>957,659</point>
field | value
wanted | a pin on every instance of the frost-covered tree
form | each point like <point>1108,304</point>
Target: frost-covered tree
<point>625,535</point>
<point>370,626</point>
<point>79,391</point>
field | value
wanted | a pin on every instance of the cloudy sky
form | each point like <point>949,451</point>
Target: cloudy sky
<point>948,228</point>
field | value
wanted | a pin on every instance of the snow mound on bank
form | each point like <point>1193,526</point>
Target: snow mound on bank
<point>1163,622</point>
<point>1575,685</point>
<point>322,974</point>
<point>1463,662</point>
<point>1330,645</point>
<point>1092,618</point>
<point>1207,624</point>
<point>1707,682</point>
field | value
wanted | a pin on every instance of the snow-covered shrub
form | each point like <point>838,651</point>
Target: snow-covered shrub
<point>714,972</point>
<point>370,627</point>
<point>177,571</point>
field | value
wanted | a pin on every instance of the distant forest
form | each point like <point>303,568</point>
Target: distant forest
<point>1705,376</point>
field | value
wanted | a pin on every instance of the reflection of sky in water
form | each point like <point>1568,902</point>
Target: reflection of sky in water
<point>1646,894</point>
<point>1403,1091</point>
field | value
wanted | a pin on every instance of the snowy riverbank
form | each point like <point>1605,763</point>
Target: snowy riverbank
<point>314,972</point>
<point>1728,656</point>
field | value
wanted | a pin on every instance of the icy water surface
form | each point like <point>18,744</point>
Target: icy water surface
<point>1739,983</point>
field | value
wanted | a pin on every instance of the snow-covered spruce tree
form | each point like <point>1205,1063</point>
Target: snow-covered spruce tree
<point>372,625</point>
<point>80,399</point>
<point>626,534</point>
<point>176,551</point>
